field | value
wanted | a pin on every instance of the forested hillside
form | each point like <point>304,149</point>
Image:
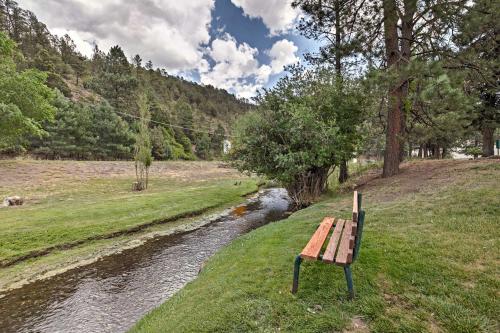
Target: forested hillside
<point>91,106</point>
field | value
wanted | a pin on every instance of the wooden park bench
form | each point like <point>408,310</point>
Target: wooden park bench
<point>342,248</point>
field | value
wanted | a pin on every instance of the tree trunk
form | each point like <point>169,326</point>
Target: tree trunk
<point>338,41</point>
<point>488,141</point>
<point>420,152</point>
<point>308,187</point>
<point>394,121</point>
<point>343,172</point>
<point>407,23</point>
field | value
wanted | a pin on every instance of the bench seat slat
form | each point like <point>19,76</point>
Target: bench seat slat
<point>345,252</point>
<point>329,255</point>
<point>313,247</point>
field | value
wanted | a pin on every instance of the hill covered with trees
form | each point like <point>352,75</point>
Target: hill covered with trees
<point>91,103</point>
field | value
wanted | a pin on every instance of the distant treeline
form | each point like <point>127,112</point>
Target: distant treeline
<point>95,100</point>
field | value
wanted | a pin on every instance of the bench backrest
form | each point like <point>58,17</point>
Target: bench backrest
<point>358,216</point>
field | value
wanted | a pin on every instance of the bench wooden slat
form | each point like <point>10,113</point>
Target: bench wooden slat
<point>355,207</point>
<point>313,247</point>
<point>331,248</point>
<point>344,254</point>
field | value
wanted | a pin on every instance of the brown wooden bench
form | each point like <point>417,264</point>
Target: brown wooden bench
<point>343,247</point>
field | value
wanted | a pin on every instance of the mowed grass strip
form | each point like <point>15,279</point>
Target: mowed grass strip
<point>100,207</point>
<point>428,263</point>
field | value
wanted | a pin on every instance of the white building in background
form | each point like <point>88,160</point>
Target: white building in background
<point>227,146</point>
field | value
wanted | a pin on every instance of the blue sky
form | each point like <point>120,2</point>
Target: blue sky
<point>230,19</point>
<point>238,45</point>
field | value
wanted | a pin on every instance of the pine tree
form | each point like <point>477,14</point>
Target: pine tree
<point>115,81</point>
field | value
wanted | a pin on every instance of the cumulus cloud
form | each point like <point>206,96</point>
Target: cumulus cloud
<point>170,33</point>
<point>283,53</point>
<point>277,15</point>
<point>237,69</point>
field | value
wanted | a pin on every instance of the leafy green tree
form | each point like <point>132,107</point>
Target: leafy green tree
<point>161,149</point>
<point>142,150</point>
<point>186,144</point>
<point>203,146</point>
<point>185,115</point>
<point>25,100</point>
<point>217,141</point>
<point>296,134</point>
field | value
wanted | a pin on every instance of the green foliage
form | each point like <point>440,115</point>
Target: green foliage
<point>217,141</point>
<point>55,81</point>
<point>442,108</point>
<point>115,81</point>
<point>203,150</point>
<point>307,124</point>
<point>185,116</point>
<point>85,131</point>
<point>473,151</point>
<point>143,148</point>
<point>25,100</point>
<point>185,143</point>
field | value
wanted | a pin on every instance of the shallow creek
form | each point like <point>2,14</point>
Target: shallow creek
<point>111,294</point>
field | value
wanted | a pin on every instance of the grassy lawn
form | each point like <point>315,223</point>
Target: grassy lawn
<point>429,262</point>
<point>63,210</point>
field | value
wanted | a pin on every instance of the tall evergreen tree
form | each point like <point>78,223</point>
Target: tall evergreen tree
<point>115,81</point>
<point>479,44</point>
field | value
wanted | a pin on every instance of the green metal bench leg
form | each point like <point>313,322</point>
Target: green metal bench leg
<point>348,277</point>
<point>296,269</point>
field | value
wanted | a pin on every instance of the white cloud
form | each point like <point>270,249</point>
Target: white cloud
<point>237,69</point>
<point>170,33</point>
<point>277,15</point>
<point>283,53</point>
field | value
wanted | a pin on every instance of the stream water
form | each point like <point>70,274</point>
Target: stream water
<point>113,293</point>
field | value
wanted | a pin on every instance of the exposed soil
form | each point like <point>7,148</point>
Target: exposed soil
<point>415,177</point>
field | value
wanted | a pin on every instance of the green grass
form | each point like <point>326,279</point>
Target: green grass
<point>428,263</point>
<point>100,207</point>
